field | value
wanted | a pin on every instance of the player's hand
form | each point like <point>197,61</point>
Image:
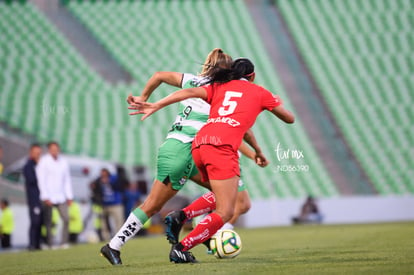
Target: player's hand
<point>261,159</point>
<point>48,202</point>
<point>134,99</point>
<point>144,108</point>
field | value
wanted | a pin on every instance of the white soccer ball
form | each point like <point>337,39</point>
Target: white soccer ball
<point>226,244</point>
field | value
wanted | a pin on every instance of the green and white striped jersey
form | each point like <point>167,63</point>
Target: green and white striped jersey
<point>194,112</point>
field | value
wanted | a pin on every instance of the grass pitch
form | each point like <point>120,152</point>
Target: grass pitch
<point>339,249</point>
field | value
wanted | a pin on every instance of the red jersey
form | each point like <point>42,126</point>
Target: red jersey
<point>235,106</point>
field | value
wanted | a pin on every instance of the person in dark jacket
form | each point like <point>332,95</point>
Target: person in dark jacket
<point>107,192</point>
<point>33,197</point>
<point>309,213</point>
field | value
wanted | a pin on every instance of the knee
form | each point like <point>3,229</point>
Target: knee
<point>245,206</point>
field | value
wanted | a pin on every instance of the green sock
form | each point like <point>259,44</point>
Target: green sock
<point>142,217</point>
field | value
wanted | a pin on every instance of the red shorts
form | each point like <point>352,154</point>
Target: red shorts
<point>216,162</point>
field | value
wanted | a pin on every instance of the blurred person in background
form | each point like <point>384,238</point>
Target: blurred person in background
<point>97,208</point>
<point>6,224</point>
<point>97,220</point>
<point>54,224</point>
<point>75,222</point>
<point>124,185</point>
<point>107,192</point>
<point>55,190</point>
<point>33,197</point>
<point>131,198</point>
<point>121,177</point>
<point>309,212</point>
<point>1,157</point>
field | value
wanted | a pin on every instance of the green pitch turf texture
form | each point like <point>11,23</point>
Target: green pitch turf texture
<point>336,249</point>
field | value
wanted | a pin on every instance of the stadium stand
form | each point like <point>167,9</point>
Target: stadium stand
<point>68,102</point>
<point>360,54</point>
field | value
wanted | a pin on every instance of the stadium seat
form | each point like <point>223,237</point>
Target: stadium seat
<point>359,54</point>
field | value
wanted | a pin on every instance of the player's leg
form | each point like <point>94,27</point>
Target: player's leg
<point>158,196</point>
<point>204,204</point>
<point>201,206</point>
<point>175,220</point>
<point>243,205</point>
<point>220,165</point>
<point>172,172</point>
<point>226,194</point>
<point>197,178</point>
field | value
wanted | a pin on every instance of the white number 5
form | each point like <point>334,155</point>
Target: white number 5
<point>227,102</point>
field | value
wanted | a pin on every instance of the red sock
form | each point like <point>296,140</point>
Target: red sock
<point>202,205</point>
<point>203,231</point>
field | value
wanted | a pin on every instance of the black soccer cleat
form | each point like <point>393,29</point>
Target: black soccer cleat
<point>113,256</point>
<point>181,257</point>
<point>174,221</point>
<point>207,244</point>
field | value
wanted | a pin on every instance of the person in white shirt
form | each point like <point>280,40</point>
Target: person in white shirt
<point>55,190</point>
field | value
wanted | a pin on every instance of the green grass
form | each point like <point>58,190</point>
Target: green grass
<point>342,249</point>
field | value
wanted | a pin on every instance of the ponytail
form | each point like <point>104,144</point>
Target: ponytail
<point>215,60</point>
<point>241,68</point>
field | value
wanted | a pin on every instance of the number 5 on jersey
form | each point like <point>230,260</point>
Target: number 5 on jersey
<point>229,103</point>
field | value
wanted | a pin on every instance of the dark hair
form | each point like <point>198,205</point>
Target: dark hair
<point>50,143</point>
<point>241,67</point>
<point>33,145</point>
<point>5,202</point>
<point>106,171</point>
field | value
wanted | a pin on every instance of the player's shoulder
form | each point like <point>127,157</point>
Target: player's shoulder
<point>191,80</point>
<point>259,86</point>
<point>252,85</point>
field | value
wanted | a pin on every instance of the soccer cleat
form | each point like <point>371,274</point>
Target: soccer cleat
<point>174,221</point>
<point>112,255</point>
<point>181,257</point>
<point>207,244</point>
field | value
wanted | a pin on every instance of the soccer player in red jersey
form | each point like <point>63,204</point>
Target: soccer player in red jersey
<point>235,104</point>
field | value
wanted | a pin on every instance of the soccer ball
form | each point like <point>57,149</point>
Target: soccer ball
<point>226,244</point>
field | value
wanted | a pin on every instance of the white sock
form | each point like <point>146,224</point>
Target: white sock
<point>128,230</point>
<point>227,225</point>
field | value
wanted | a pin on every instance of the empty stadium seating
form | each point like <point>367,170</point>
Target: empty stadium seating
<point>360,54</point>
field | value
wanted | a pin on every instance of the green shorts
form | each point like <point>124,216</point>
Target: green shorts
<point>175,163</point>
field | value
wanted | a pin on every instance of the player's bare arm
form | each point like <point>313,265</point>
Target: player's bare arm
<point>170,78</point>
<point>283,114</point>
<point>148,109</point>
<point>246,151</point>
<point>259,157</point>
